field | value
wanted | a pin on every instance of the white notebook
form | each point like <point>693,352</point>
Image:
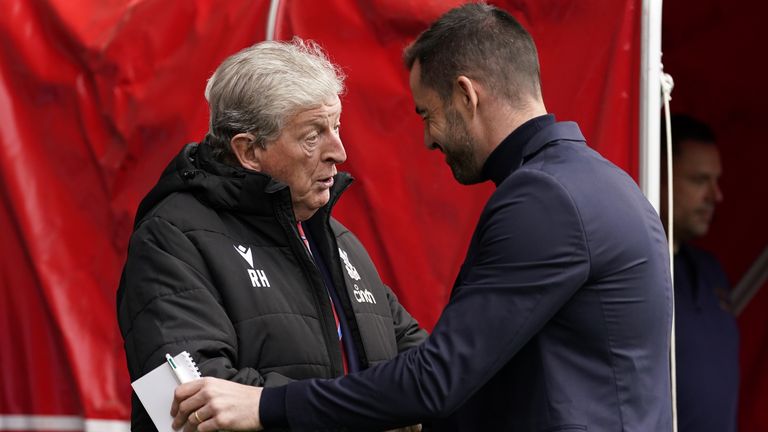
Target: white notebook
<point>155,389</point>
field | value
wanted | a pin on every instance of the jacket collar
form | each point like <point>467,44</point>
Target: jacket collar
<point>524,142</point>
<point>226,187</point>
<point>256,192</point>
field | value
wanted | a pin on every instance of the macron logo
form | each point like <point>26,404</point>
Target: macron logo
<point>258,277</point>
<point>245,253</point>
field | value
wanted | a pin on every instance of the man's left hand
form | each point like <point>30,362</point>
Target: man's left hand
<point>210,404</point>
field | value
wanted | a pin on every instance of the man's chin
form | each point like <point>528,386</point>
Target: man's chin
<point>467,181</point>
<point>694,232</point>
<point>305,210</point>
<point>464,176</point>
<point>701,231</point>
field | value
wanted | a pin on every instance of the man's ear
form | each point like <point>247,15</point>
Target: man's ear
<point>465,94</point>
<point>246,150</point>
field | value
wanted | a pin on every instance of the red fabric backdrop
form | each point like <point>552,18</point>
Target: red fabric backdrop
<point>96,96</point>
<point>709,48</point>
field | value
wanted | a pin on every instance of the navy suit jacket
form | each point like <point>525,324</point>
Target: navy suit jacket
<point>559,319</point>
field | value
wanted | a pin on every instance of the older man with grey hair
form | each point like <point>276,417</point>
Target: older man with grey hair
<point>235,257</point>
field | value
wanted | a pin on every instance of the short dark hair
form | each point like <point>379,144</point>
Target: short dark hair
<point>483,43</point>
<point>685,127</point>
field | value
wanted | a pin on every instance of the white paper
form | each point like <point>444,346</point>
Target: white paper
<point>155,390</point>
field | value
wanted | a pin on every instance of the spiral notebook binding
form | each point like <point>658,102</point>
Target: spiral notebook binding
<point>192,366</point>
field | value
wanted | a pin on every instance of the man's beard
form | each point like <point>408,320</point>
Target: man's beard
<point>460,150</point>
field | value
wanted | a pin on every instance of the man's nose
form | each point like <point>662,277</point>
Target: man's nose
<point>715,192</point>
<point>429,142</point>
<point>718,193</point>
<point>335,152</point>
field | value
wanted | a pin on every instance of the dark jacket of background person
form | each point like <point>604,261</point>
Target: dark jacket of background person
<point>707,344</point>
<point>200,236</point>
<point>559,320</point>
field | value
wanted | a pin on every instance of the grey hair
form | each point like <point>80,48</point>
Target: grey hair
<point>257,89</point>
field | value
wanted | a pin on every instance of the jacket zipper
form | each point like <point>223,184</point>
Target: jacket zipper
<point>319,293</point>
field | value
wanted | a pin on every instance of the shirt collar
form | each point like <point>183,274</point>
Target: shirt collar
<point>508,155</point>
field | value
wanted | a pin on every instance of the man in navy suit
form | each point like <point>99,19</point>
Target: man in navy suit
<point>561,314</point>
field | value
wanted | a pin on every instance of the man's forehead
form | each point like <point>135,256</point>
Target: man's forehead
<point>415,73</point>
<point>696,145</point>
<point>697,157</point>
<point>695,151</point>
<point>414,79</point>
<point>329,109</point>
<point>425,98</point>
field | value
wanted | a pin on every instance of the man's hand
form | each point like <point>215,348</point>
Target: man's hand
<point>210,404</point>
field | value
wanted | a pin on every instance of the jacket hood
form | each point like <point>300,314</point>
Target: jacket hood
<point>222,186</point>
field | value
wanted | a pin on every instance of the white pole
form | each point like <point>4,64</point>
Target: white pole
<point>272,19</point>
<point>650,101</point>
<point>650,150</point>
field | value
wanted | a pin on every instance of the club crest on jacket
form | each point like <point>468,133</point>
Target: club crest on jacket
<point>351,270</point>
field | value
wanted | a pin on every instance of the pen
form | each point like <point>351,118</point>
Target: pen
<point>180,376</point>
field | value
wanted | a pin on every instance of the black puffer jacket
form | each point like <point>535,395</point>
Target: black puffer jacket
<point>216,267</point>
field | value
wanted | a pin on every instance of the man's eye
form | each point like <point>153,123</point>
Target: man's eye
<point>312,138</point>
<point>337,128</point>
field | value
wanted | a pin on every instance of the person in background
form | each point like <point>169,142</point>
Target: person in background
<point>707,337</point>
<point>235,256</point>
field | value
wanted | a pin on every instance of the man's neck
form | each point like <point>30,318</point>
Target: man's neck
<point>503,120</point>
